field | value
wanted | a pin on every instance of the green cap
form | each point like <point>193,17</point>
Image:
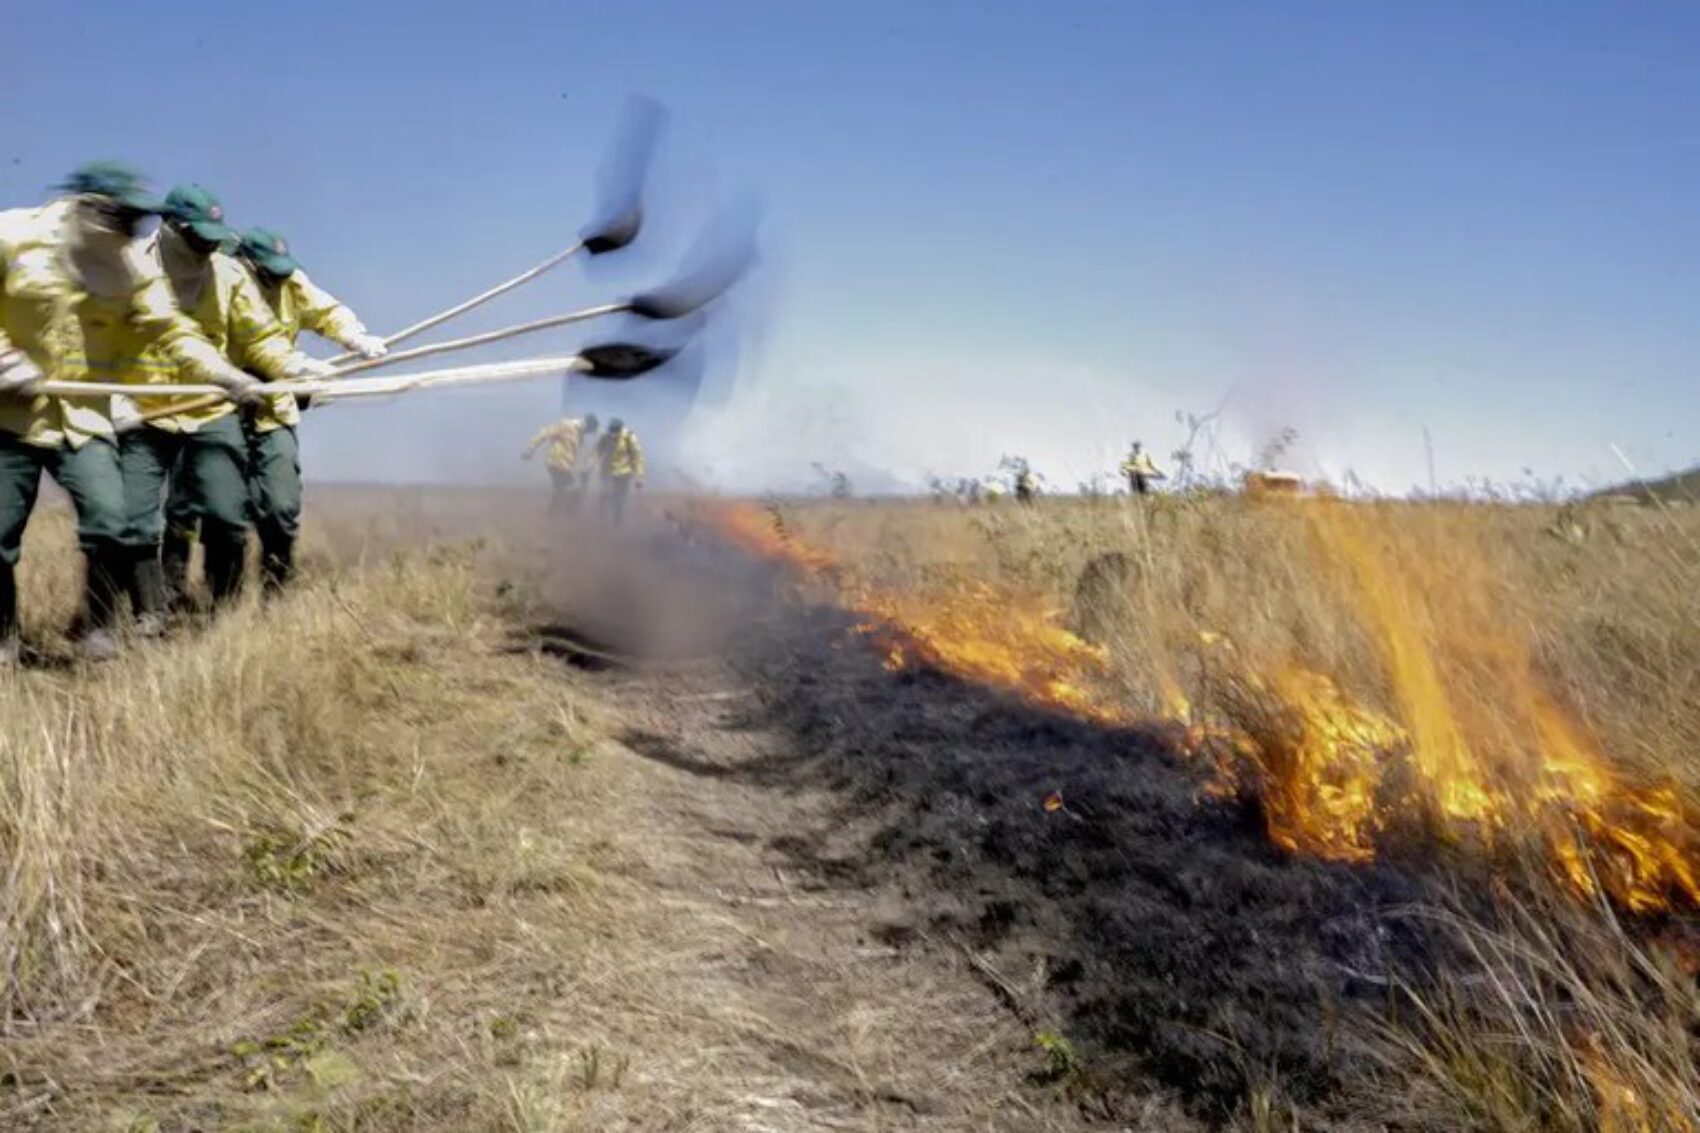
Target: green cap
<point>111,179</point>
<point>194,206</point>
<point>267,251</point>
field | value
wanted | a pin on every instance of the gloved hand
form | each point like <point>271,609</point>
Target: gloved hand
<point>244,389</point>
<point>304,368</point>
<point>126,415</point>
<point>370,346</point>
<point>19,376</point>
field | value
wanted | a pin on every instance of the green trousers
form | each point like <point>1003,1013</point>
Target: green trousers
<point>274,489</point>
<point>90,475</point>
<point>207,468</point>
<point>206,471</point>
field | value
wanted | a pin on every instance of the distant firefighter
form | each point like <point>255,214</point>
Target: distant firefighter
<point>1140,471</point>
<point>1026,485</point>
<point>619,460</point>
<point>566,454</point>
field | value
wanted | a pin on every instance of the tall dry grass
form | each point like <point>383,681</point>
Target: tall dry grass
<point>1604,595</point>
<point>263,875</point>
<point>1523,621</point>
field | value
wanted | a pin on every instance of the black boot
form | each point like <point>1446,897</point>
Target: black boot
<point>174,567</point>
<point>103,588</point>
<point>277,561</point>
<point>226,563</point>
<point>148,592</point>
<point>8,616</point>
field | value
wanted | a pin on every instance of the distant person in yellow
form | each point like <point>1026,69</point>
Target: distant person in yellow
<point>566,456</point>
<point>78,303</point>
<point>1140,471</point>
<point>201,450</point>
<point>619,460</point>
<point>274,452</point>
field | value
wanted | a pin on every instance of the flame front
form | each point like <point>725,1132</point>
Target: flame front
<point>1331,774</point>
<point>1527,768</point>
<point>973,630</point>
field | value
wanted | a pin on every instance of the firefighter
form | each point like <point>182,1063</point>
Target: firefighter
<point>274,453</point>
<point>1026,484</point>
<point>567,478</point>
<point>619,459</point>
<point>1139,470</point>
<point>200,451</point>
<point>77,302</point>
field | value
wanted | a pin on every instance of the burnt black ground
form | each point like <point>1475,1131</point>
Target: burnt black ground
<point>1177,943</point>
<point>1161,930</point>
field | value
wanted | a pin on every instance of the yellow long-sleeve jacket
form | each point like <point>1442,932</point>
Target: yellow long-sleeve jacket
<point>619,456</point>
<point>231,314</point>
<point>298,304</point>
<point>1140,463</point>
<point>73,335</point>
<point>565,439</point>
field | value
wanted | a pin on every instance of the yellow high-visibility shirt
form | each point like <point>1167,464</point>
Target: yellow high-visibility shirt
<point>619,456</point>
<point>299,304</point>
<point>72,335</point>
<point>565,439</point>
<point>1141,464</point>
<point>235,318</point>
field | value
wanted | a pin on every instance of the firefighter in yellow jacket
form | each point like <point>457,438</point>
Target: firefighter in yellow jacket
<point>566,453</point>
<point>619,460</point>
<point>201,451</point>
<point>1139,470</point>
<point>274,453</point>
<point>77,302</point>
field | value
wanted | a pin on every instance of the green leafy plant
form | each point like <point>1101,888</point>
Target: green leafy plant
<point>1062,1061</point>
<point>289,861</point>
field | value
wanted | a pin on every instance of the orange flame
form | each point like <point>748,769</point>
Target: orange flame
<point>976,631</point>
<point>1534,771</point>
<point>1321,769</point>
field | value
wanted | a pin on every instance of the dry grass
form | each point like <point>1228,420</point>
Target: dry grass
<point>1582,619</point>
<point>1604,593</point>
<point>265,875</point>
<point>1567,1023</point>
<point>353,861</point>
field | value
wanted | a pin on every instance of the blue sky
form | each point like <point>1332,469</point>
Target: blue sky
<point>988,228</point>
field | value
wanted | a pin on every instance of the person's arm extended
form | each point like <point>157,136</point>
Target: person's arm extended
<point>544,435</point>
<point>154,311</point>
<point>329,317</point>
